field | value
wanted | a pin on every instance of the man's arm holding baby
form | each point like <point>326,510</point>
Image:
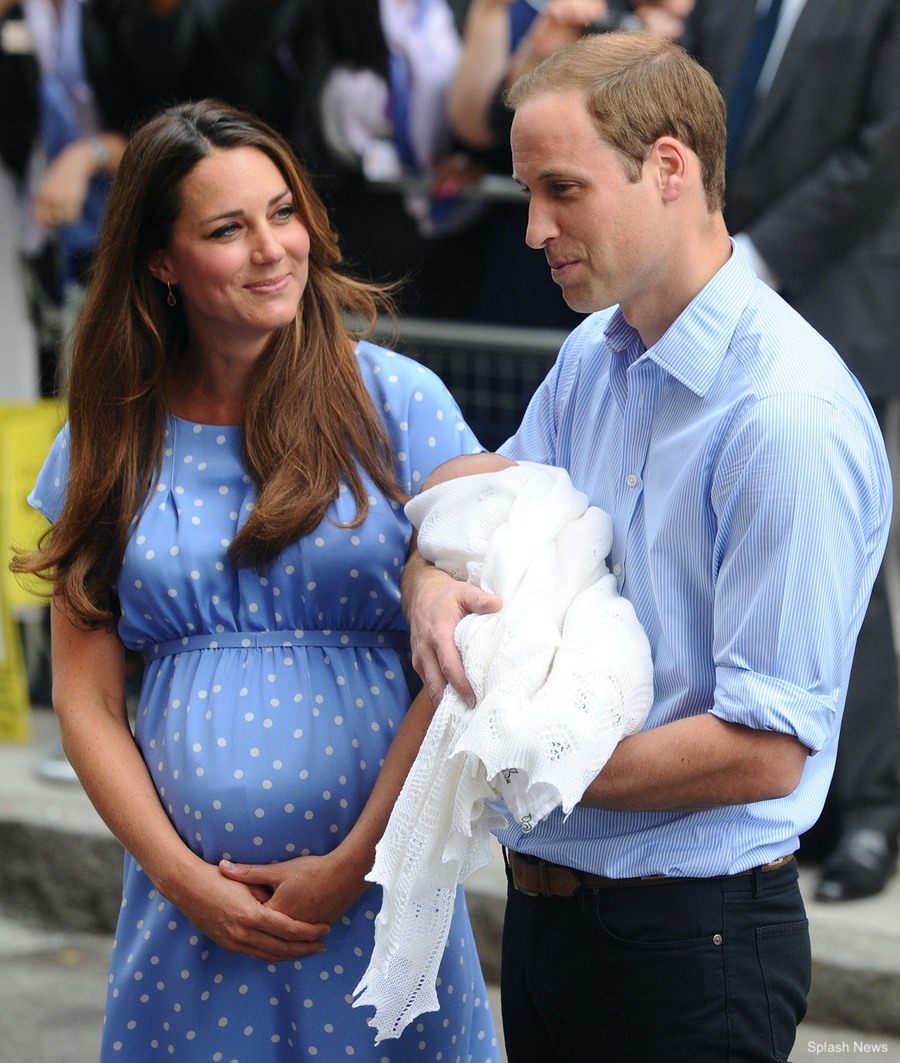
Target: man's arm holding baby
<point>697,762</point>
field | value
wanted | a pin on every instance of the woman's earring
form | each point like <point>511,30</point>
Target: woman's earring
<point>171,300</point>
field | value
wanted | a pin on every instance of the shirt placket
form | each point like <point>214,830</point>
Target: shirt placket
<point>637,421</point>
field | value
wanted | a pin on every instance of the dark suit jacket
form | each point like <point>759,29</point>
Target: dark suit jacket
<point>19,76</point>
<point>119,44</point>
<point>817,183</point>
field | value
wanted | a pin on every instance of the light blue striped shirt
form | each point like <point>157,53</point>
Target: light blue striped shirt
<point>750,494</point>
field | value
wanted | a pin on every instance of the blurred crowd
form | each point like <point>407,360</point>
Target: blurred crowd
<point>396,109</point>
<point>393,106</point>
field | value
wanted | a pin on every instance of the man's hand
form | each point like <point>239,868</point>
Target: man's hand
<point>434,604</point>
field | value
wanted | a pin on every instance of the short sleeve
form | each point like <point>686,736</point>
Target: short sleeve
<point>49,494</point>
<point>424,424</point>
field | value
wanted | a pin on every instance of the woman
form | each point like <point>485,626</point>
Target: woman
<point>227,498</point>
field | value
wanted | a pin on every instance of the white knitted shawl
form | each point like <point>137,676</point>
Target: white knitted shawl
<point>561,674</point>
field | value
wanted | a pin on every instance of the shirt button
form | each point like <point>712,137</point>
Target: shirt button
<point>631,480</point>
<point>617,569</point>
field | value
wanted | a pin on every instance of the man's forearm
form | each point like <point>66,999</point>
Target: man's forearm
<point>700,762</point>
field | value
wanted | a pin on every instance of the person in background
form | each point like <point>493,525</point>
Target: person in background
<point>813,197</point>
<point>230,504</point>
<point>391,155</point>
<point>57,141</point>
<point>504,39</point>
<point>269,58</point>
<point>750,494</point>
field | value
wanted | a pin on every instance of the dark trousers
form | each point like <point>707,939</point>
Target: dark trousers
<point>699,971</point>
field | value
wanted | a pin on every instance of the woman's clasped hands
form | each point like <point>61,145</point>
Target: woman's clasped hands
<point>289,906</point>
<point>239,915</point>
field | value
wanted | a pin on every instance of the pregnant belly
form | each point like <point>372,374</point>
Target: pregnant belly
<point>262,790</point>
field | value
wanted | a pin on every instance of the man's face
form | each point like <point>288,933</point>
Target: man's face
<point>600,232</point>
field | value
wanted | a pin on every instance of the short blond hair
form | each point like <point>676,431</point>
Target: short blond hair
<point>638,88</point>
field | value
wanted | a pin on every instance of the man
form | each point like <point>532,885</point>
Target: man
<point>814,190</point>
<point>750,496</point>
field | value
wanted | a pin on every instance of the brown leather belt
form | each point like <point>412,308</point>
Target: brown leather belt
<point>540,878</point>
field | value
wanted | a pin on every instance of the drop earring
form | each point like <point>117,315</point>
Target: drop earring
<point>170,299</point>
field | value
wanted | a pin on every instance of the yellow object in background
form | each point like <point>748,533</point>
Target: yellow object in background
<point>15,708</point>
<point>26,435</point>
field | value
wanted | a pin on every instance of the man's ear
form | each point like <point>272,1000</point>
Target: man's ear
<point>670,158</point>
<point>159,266</point>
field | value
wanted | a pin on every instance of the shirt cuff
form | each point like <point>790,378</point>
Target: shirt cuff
<point>767,703</point>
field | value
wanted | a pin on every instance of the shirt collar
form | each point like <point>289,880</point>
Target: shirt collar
<point>695,344</point>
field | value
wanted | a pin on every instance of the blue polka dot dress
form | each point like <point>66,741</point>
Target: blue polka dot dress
<point>268,704</point>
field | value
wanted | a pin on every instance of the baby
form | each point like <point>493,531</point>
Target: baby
<point>561,672</point>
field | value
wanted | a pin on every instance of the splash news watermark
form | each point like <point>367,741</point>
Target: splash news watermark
<point>859,1046</point>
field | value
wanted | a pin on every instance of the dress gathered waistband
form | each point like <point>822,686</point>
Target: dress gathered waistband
<point>248,640</point>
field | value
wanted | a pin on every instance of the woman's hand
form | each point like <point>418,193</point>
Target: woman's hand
<point>312,889</point>
<point>62,193</point>
<point>241,918</point>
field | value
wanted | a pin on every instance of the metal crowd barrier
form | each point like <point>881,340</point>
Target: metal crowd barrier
<point>491,370</point>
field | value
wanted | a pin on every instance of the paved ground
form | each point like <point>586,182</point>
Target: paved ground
<point>54,851</point>
<point>52,987</point>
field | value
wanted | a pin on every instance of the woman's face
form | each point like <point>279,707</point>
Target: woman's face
<point>238,251</point>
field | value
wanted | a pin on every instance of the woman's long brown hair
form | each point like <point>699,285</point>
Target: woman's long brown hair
<point>309,418</point>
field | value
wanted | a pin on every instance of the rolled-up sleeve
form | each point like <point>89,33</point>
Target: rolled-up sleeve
<point>802,502</point>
